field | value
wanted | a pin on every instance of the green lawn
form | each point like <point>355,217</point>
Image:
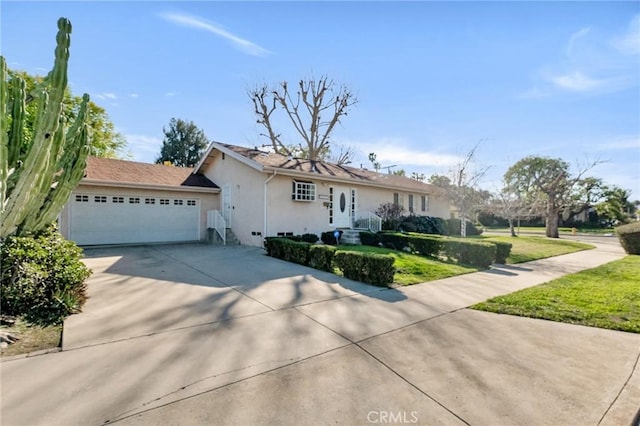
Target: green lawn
<point>541,230</point>
<point>414,269</point>
<point>607,296</point>
<point>526,249</point>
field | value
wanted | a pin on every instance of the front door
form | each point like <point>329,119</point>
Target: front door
<point>341,206</point>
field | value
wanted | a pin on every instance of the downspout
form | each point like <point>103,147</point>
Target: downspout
<point>265,233</point>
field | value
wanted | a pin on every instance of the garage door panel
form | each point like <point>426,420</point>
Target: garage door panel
<point>132,220</point>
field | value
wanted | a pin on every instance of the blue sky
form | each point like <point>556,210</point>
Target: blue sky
<point>557,79</point>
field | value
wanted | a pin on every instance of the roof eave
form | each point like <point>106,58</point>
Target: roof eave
<point>137,185</point>
<point>219,147</point>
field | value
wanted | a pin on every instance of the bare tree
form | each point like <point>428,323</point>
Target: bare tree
<point>462,186</point>
<point>307,110</point>
<point>509,205</point>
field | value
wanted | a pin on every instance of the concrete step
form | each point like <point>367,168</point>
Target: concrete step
<point>350,236</point>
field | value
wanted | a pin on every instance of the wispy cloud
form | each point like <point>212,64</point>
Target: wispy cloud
<point>143,148</point>
<point>620,143</point>
<point>242,44</point>
<point>133,95</point>
<point>394,151</point>
<point>629,43</point>
<point>592,64</point>
<point>170,94</point>
<point>106,95</point>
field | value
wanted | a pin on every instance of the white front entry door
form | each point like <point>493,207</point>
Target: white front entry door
<point>341,207</point>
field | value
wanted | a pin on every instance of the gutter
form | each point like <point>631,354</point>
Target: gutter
<point>266,205</point>
<point>94,182</point>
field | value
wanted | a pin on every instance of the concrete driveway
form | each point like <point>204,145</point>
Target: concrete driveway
<point>194,334</point>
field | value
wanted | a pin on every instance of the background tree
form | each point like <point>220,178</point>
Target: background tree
<point>183,144</point>
<point>105,141</point>
<point>547,186</point>
<point>314,110</point>
<point>615,207</point>
<point>462,187</point>
<point>510,206</point>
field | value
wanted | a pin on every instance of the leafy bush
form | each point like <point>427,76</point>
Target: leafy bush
<point>426,245</point>
<point>473,253</point>
<point>42,277</point>
<point>503,250</point>
<point>370,239</point>
<point>424,225</point>
<point>629,236</point>
<point>309,238</point>
<point>454,228</point>
<point>376,269</point>
<point>394,240</point>
<point>390,214</point>
<point>321,257</point>
<point>328,238</point>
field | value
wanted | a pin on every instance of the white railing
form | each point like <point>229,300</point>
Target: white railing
<point>372,222</point>
<point>217,222</point>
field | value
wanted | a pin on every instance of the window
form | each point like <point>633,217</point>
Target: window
<point>410,203</point>
<point>191,202</point>
<point>396,198</point>
<point>425,203</point>
<point>177,202</point>
<point>134,200</point>
<point>164,202</point>
<point>82,198</point>
<point>149,200</point>
<point>353,205</point>
<point>117,200</point>
<point>100,199</point>
<point>303,191</point>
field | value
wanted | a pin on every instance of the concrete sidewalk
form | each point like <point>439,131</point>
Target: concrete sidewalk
<point>204,335</point>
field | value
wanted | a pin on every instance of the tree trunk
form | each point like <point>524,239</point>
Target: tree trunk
<point>511,228</point>
<point>551,229</point>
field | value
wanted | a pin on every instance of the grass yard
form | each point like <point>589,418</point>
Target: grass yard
<point>414,269</point>
<point>32,338</point>
<point>526,249</point>
<point>607,297</point>
<point>541,230</point>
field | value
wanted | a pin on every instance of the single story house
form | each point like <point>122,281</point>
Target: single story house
<point>252,192</point>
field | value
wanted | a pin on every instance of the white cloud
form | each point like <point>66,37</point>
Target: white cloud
<point>143,148</point>
<point>578,82</point>
<point>393,151</point>
<point>575,37</point>
<point>244,45</point>
<point>170,94</point>
<point>110,95</point>
<point>620,143</point>
<point>133,95</point>
<point>629,43</point>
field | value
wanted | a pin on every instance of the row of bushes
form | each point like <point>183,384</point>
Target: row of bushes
<point>369,268</point>
<point>475,253</point>
<point>430,225</point>
<point>42,277</point>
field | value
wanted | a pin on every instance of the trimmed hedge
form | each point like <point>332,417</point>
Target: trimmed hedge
<point>321,257</point>
<point>289,250</point>
<point>469,252</point>
<point>454,228</point>
<point>424,225</point>
<point>328,238</point>
<point>503,250</point>
<point>42,277</point>
<point>371,268</point>
<point>629,236</point>
<point>307,238</point>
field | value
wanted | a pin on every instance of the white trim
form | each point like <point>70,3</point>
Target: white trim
<point>94,182</point>
<point>253,164</point>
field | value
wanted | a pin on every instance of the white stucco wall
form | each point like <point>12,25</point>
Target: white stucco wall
<point>207,201</point>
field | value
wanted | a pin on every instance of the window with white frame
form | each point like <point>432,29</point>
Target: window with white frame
<point>164,202</point>
<point>82,198</point>
<point>99,199</point>
<point>410,203</point>
<point>425,203</point>
<point>303,191</point>
<point>191,202</point>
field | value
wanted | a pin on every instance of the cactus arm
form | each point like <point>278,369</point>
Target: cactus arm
<point>70,171</point>
<point>4,137</point>
<point>16,132</point>
<point>40,161</point>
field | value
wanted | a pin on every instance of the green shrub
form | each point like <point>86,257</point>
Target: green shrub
<point>426,245</point>
<point>309,238</point>
<point>42,277</point>
<point>321,257</point>
<point>629,236</point>
<point>424,225</point>
<point>370,238</point>
<point>328,238</point>
<point>473,253</point>
<point>454,228</point>
<point>394,240</point>
<point>371,268</point>
<point>503,250</point>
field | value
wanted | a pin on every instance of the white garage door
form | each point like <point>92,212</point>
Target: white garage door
<point>123,219</point>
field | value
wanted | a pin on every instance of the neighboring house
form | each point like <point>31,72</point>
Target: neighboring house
<point>256,192</point>
<point>125,202</point>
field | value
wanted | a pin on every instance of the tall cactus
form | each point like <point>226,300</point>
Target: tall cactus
<point>34,186</point>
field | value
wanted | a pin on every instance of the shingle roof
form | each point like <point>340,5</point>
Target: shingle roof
<point>121,171</point>
<point>321,169</point>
